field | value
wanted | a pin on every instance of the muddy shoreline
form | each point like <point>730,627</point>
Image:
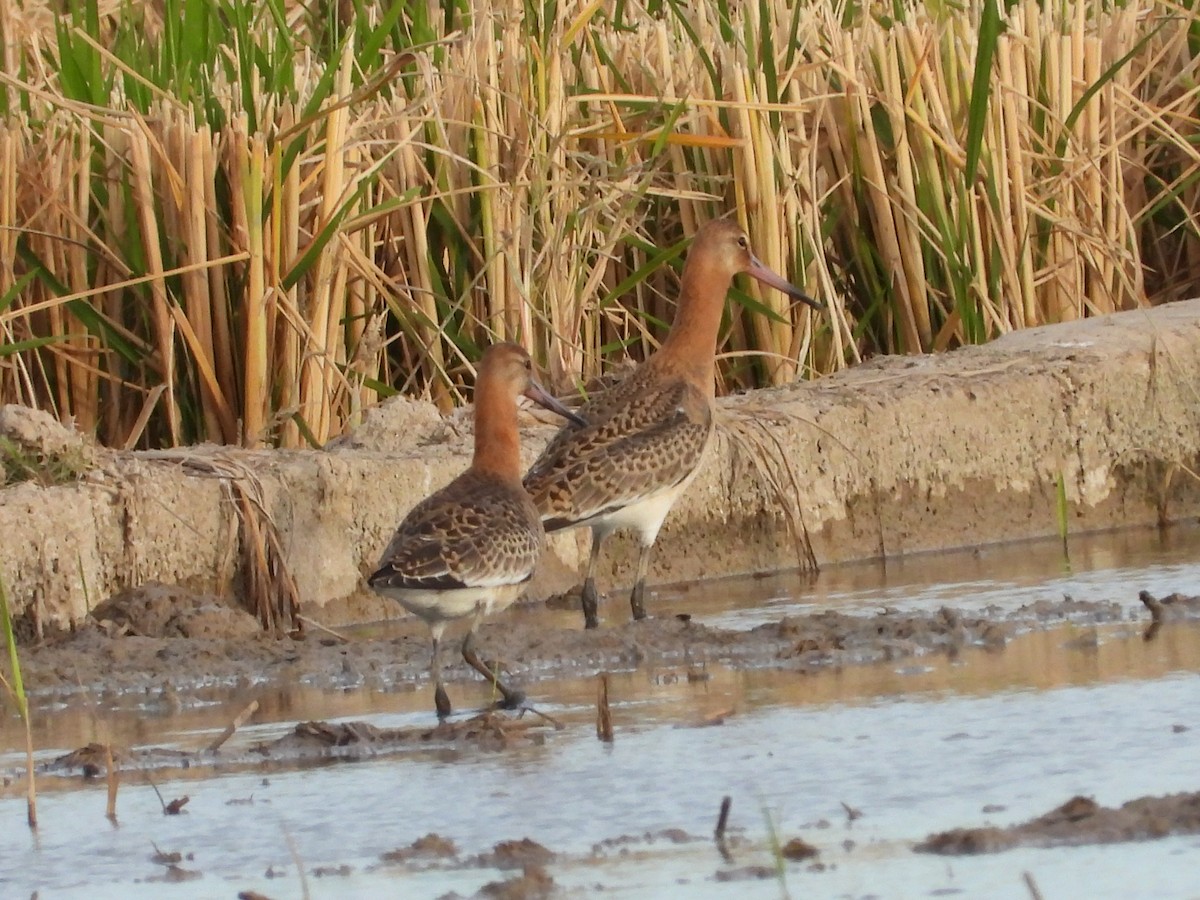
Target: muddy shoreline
<point>199,644</point>
<point>137,643</point>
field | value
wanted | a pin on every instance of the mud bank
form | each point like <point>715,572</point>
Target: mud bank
<point>109,657</point>
<point>896,456</point>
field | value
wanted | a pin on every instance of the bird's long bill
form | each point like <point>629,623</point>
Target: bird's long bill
<point>760,271</point>
<point>542,397</point>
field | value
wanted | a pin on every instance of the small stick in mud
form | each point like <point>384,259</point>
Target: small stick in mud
<point>1032,885</point>
<point>545,717</point>
<point>719,831</point>
<point>113,782</point>
<point>175,806</point>
<point>604,726</point>
<point>305,620</point>
<point>233,726</point>
<point>1153,604</point>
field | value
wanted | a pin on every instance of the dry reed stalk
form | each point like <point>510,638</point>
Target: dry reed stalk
<point>10,368</point>
<point>286,222</point>
<point>859,133</point>
<point>84,376</point>
<point>604,724</point>
<point>847,164</point>
<point>225,351</point>
<point>31,814</point>
<point>251,163</point>
<point>902,191</point>
<point>325,299</point>
<point>423,318</point>
<point>238,721</point>
<point>113,778</point>
<point>197,287</point>
<point>142,174</point>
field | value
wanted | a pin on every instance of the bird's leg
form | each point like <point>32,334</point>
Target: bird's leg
<point>588,597</point>
<point>440,698</point>
<point>637,600</point>
<point>512,697</point>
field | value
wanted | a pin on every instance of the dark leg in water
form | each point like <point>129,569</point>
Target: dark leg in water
<point>637,601</point>
<point>589,597</point>
<point>513,699</point>
<point>440,699</point>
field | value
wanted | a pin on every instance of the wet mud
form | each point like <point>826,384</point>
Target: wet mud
<point>1078,821</point>
<point>166,642</point>
<point>166,647</point>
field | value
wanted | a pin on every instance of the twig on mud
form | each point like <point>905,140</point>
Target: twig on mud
<point>604,726</point>
<point>295,854</point>
<point>114,781</point>
<point>175,806</point>
<point>711,719</point>
<point>1032,885</point>
<point>324,628</point>
<point>545,717</point>
<point>233,726</point>
<point>719,831</point>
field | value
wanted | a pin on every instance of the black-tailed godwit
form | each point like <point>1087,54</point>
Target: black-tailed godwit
<point>469,549</point>
<point>645,436</point>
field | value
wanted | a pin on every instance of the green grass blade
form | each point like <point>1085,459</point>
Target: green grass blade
<point>28,344</point>
<point>990,28</point>
<point>15,291</point>
<point>18,685</point>
<point>92,320</point>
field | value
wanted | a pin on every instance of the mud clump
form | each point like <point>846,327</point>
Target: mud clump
<point>798,849</point>
<point>1078,821</point>
<point>488,730</point>
<point>534,883</point>
<point>164,611</point>
<point>430,846</point>
<point>517,855</point>
<point>34,446</point>
<point>1171,608</point>
<point>747,873</point>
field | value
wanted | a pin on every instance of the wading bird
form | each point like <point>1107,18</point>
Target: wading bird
<point>645,436</point>
<point>469,549</point>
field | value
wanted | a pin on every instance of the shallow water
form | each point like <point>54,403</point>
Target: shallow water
<point>917,746</point>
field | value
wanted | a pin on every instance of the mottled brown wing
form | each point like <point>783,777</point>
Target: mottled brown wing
<point>650,441</point>
<point>472,533</point>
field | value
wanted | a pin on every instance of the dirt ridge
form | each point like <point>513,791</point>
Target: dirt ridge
<point>899,455</point>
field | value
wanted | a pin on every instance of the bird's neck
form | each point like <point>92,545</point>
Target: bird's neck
<point>497,443</point>
<point>692,342</point>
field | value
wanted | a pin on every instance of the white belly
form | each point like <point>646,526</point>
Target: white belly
<point>439,607</point>
<point>643,516</point>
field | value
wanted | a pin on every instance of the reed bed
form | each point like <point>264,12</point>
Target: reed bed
<point>245,222</point>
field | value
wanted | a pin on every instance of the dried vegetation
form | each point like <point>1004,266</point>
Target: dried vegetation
<point>243,222</point>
